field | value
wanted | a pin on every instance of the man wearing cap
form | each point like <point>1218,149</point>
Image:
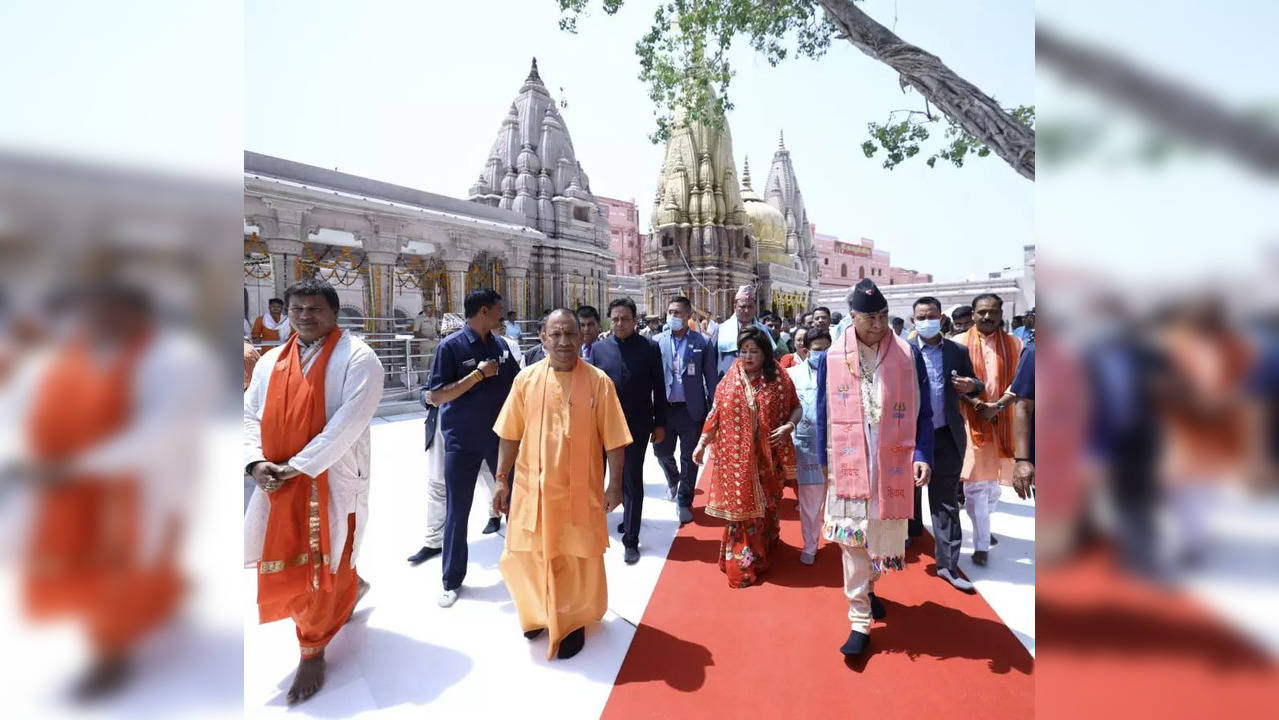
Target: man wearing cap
<point>875,445</point>
<point>725,338</point>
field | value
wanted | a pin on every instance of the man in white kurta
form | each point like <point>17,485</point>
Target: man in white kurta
<point>353,381</point>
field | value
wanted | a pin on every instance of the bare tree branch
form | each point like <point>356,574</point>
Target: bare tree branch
<point>974,111</point>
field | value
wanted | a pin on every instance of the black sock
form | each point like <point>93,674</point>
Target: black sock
<point>572,644</point>
<point>530,634</point>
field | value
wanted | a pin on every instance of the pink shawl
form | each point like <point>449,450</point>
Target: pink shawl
<point>847,450</point>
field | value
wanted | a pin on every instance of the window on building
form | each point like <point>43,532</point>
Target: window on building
<point>861,272</point>
<point>843,270</point>
<point>581,214</point>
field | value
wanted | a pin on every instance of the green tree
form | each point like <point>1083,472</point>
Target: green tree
<point>684,61</point>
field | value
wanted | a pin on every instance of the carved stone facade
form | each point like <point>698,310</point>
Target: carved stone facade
<point>701,244</point>
<point>388,250</point>
<point>532,171</point>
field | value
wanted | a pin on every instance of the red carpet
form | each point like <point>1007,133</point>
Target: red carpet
<point>1111,647</point>
<point>705,650</point>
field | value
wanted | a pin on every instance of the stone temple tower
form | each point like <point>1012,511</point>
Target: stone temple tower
<point>788,277</point>
<point>701,243</point>
<point>533,170</point>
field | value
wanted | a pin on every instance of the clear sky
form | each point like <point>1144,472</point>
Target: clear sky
<point>413,92</point>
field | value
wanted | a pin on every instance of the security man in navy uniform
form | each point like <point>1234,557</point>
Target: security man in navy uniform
<point>470,379</point>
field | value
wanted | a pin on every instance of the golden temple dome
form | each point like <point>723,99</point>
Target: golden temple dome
<point>768,225</point>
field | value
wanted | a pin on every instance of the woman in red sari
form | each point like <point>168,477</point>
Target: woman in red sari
<point>749,430</point>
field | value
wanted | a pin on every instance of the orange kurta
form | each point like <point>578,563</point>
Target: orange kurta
<point>83,556</point>
<point>261,333</point>
<point>989,462</point>
<point>553,563</point>
<point>294,579</point>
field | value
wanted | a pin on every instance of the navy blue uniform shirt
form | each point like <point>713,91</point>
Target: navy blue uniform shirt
<point>467,422</point>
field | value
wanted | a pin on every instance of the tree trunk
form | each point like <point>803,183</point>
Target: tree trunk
<point>973,110</point>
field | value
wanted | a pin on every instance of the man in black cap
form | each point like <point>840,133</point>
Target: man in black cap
<point>875,445</point>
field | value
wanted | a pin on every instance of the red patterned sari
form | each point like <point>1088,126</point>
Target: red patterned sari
<point>745,473</point>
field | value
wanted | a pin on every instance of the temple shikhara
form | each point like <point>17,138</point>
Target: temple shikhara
<point>532,227</point>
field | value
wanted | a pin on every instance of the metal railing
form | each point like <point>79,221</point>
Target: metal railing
<point>406,360</point>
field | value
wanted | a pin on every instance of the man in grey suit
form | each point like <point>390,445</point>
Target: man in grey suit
<point>689,363</point>
<point>950,374</point>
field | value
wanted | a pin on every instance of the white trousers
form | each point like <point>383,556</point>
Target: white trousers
<point>436,494</point>
<point>859,583</point>
<point>811,500</point>
<point>981,497</point>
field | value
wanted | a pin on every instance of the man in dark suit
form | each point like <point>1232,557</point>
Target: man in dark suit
<point>950,374</point>
<point>533,354</point>
<point>634,364</point>
<point>537,352</point>
<point>690,374</point>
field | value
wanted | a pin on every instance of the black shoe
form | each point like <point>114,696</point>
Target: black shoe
<point>979,557</point>
<point>530,634</point>
<point>685,515</point>
<point>493,525</point>
<point>572,644</point>
<point>631,556</point>
<point>855,644</point>
<point>993,540</point>
<point>426,553</point>
<point>621,527</point>
<point>877,610</point>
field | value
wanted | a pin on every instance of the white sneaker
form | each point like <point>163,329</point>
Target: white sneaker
<point>448,598</point>
<point>807,558</point>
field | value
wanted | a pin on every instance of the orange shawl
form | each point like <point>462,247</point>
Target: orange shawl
<point>295,553</point>
<point>981,431</point>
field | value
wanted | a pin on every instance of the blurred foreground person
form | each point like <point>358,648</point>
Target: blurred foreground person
<point>251,358</point>
<point>875,443</point>
<point>108,445</point>
<point>306,444</point>
<point>1207,418</point>
<point>749,428</point>
<point>559,420</point>
<point>988,462</point>
<point>1128,377</point>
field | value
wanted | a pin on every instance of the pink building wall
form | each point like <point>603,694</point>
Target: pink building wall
<point>625,241</point>
<point>841,264</point>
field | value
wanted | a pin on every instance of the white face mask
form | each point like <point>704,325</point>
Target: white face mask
<point>928,329</point>
<point>675,323</point>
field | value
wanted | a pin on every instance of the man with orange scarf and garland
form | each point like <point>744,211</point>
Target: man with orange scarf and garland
<point>988,461</point>
<point>875,445</point>
<point>306,443</point>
